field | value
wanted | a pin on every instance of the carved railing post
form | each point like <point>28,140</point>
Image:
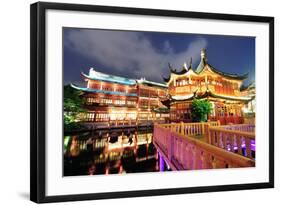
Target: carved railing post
<point>231,142</point>
<point>182,128</point>
<point>239,144</point>
<point>224,142</point>
<point>248,147</point>
<point>170,144</point>
<point>206,132</point>
<point>232,138</point>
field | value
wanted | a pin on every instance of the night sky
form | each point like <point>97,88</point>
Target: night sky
<point>147,54</point>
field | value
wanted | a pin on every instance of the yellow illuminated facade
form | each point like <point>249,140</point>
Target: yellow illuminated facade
<point>223,90</point>
<point>117,100</point>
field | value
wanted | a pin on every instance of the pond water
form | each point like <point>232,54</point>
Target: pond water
<point>115,151</point>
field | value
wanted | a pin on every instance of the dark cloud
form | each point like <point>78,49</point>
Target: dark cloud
<point>130,53</point>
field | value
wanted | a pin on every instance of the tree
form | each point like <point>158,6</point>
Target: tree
<point>73,108</point>
<point>200,109</point>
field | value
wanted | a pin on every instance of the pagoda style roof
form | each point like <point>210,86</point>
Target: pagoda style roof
<point>151,83</point>
<point>201,67</point>
<point>89,90</point>
<point>248,87</point>
<point>166,79</point>
<point>95,75</point>
<point>183,71</point>
<point>161,110</point>
<point>166,102</point>
<point>227,97</point>
<point>183,97</point>
<point>208,93</point>
<point>204,64</point>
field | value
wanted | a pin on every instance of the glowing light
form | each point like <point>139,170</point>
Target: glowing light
<point>245,109</point>
<point>182,97</point>
<point>122,114</point>
<point>95,75</point>
<point>161,163</point>
<point>143,80</point>
<point>103,91</point>
<point>235,97</point>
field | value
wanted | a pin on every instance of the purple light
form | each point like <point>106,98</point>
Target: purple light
<point>161,163</point>
<point>253,147</point>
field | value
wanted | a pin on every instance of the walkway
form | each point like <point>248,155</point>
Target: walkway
<point>189,146</point>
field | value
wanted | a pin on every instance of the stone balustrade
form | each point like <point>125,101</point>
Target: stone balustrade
<point>195,128</point>
<point>240,127</point>
<point>183,152</point>
<point>234,140</point>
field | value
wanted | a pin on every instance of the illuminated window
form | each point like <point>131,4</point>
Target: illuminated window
<point>90,116</point>
<point>102,117</point>
<point>119,102</point>
<point>91,100</point>
<point>106,101</point>
<point>129,102</point>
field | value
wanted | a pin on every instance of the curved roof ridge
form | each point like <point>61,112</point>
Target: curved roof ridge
<point>204,62</point>
<point>181,72</point>
<point>200,66</point>
<point>143,80</point>
<point>241,98</point>
<point>96,75</point>
<point>166,79</point>
<point>90,90</point>
<point>236,76</point>
<point>184,97</point>
<point>209,93</point>
<point>249,86</point>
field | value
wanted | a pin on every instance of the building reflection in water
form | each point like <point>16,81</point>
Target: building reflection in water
<point>111,152</point>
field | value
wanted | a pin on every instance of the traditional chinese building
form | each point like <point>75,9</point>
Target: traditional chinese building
<point>222,89</point>
<point>113,99</point>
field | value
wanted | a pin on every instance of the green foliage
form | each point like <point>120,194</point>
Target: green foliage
<point>200,109</point>
<point>73,101</point>
<point>73,108</point>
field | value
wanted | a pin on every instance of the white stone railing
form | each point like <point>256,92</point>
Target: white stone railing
<point>240,142</point>
<point>186,153</point>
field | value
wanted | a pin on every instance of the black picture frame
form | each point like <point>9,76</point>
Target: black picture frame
<point>38,100</point>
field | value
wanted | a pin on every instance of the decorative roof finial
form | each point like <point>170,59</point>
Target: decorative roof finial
<point>169,64</point>
<point>184,66</point>
<point>92,72</point>
<point>190,63</point>
<point>203,54</point>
